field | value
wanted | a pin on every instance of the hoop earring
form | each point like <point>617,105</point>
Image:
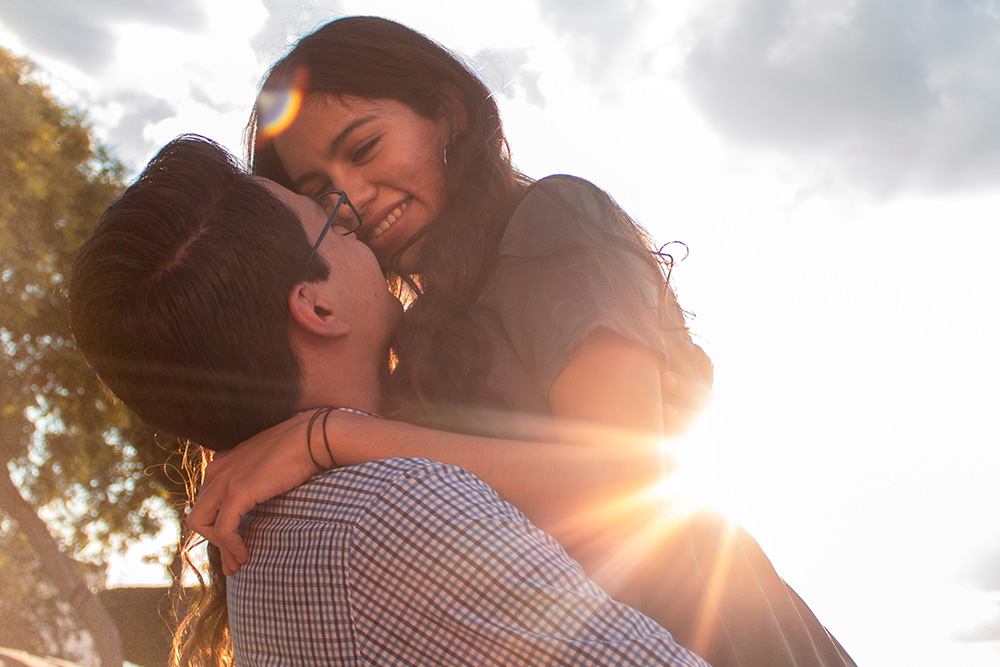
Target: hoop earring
<point>445,157</point>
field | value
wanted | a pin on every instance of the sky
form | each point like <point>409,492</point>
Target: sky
<point>834,170</point>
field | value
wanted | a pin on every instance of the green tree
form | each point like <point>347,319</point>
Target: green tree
<point>75,487</point>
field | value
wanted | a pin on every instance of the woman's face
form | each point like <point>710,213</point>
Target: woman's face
<point>385,156</point>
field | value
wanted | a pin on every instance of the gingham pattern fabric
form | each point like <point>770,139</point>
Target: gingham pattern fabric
<point>412,562</point>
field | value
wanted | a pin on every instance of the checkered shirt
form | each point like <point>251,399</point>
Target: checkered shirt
<point>412,562</point>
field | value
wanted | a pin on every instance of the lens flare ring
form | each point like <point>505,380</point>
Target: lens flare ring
<point>278,107</point>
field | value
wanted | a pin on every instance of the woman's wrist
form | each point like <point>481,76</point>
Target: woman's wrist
<point>317,441</point>
<point>326,428</point>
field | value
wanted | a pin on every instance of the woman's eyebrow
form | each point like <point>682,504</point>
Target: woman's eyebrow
<point>338,141</point>
<point>333,148</point>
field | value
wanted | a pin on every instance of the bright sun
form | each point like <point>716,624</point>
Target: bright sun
<point>699,481</point>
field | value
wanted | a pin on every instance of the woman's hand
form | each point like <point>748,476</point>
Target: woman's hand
<point>266,465</point>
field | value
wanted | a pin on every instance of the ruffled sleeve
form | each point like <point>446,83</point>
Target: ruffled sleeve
<point>571,262</point>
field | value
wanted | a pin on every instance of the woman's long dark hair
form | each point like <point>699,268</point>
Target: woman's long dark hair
<point>202,637</point>
<point>442,353</point>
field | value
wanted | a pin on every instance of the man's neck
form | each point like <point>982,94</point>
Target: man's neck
<point>345,380</point>
<point>361,391</point>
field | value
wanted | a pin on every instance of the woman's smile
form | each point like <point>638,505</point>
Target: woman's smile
<point>387,222</point>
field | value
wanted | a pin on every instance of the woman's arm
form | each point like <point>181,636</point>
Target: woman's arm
<point>572,269</point>
<point>591,459</point>
<point>611,381</point>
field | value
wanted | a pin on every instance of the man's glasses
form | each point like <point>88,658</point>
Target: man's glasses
<point>341,198</point>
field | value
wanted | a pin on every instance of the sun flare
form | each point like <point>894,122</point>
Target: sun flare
<point>695,483</point>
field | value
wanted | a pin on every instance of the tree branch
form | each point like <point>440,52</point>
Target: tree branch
<point>63,574</point>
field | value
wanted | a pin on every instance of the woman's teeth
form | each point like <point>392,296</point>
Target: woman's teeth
<point>389,219</point>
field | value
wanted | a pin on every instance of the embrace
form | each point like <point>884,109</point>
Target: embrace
<point>466,481</point>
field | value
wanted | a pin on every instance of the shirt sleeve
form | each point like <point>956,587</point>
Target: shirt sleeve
<point>444,572</point>
<point>571,262</point>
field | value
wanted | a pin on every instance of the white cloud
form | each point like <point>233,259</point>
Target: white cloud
<point>81,31</point>
<point>887,96</point>
<point>506,71</point>
<point>287,21</point>
<point>601,36</point>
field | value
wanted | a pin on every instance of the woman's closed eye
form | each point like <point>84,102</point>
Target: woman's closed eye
<point>365,151</point>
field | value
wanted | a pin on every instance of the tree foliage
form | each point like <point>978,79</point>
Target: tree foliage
<point>74,454</point>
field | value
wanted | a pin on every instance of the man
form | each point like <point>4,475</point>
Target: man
<point>198,302</point>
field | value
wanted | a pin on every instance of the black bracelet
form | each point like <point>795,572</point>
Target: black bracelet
<point>326,442</point>
<point>325,411</point>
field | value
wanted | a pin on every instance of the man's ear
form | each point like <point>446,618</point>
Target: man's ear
<point>313,311</point>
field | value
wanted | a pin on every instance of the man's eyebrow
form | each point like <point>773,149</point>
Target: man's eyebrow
<point>333,148</point>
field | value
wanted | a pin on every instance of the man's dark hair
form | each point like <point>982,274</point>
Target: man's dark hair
<point>179,298</point>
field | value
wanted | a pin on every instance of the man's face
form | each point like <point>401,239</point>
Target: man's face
<point>357,282</point>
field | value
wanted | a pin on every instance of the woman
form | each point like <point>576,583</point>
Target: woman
<point>542,340</point>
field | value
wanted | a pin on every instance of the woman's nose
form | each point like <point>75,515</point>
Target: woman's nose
<point>360,190</point>
<point>348,216</point>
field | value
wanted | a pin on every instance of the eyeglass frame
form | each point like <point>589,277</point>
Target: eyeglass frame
<point>341,198</point>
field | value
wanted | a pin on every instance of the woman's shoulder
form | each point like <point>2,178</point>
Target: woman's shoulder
<point>562,189</point>
<point>567,181</point>
<point>555,210</point>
